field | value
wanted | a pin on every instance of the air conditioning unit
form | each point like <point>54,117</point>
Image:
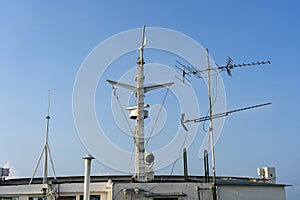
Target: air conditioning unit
<point>4,172</point>
<point>267,173</point>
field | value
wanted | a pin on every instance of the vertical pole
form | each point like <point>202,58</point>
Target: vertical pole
<point>211,127</point>
<point>87,175</point>
<point>198,191</point>
<point>185,165</point>
<point>45,151</point>
<point>139,131</point>
<point>45,171</point>
<point>206,167</point>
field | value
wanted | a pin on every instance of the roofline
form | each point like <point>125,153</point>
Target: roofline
<point>221,180</point>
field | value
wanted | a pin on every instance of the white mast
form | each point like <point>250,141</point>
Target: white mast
<point>45,171</point>
<point>142,173</point>
<point>45,151</point>
<point>139,129</point>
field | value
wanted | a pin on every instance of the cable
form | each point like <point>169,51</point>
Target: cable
<point>127,121</point>
<point>116,194</point>
<point>131,158</point>
<point>173,165</point>
<point>215,90</point>
<point>214,99</point>
<point>121,108</point>
<point>203,124</point>
<point>181,149</point>
<point>157,117</point>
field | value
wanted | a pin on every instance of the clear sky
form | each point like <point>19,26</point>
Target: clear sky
<point>43,44</point>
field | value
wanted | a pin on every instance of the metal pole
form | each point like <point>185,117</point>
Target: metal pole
<point>45,151</point>
<point>46,143</point>
<point>206,167</point>
<point>198,191</point>
<point>139,132</point>
<point>87,175</point>
<point>211,127</point>
<point>185,165</point>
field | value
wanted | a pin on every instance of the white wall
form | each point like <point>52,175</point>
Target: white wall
<point>147,189</point>
<point>66,189</point>
<point>251,192</point>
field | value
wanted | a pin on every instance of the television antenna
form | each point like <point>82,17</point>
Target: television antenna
<point>201,73</point>
<point>46,151</point>
<point>186,70</point>
<point>219,115</point>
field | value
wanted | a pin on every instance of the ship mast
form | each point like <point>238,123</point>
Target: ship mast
<point>139,129</point>
<point>143,160</point>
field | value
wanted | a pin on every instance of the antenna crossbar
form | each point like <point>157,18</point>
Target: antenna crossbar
<point>231,66</point>
<point>224,114</point>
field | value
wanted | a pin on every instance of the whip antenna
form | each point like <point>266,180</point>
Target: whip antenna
<point>46,150</point>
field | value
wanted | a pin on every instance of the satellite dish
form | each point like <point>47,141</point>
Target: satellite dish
<point>149,158</point>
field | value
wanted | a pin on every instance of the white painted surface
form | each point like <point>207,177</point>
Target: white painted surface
<point>110,190</point>
<point>226,192</point>
<point>163,189</point>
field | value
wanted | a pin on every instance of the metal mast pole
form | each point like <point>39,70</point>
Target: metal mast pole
<point>45,172</point>
<point>143,172</point>
<point>139,131</point>
<point>46,151</point>
<point>211,121</point>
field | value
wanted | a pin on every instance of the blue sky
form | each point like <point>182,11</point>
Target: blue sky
<point>43,44</point>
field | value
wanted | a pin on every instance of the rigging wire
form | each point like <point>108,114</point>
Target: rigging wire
<point>121,108</point>
<point>131,158</point>
<point>127,122</point>
<point>157,117</point>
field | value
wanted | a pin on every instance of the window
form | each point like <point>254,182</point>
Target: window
<point>9,198</point>
<point>92,197</point>
<point>66,198</point>
<point>35,198</point>
<point>165,198</point>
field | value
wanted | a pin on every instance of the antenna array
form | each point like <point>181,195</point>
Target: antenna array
<point>219,115</point>
<point>199,73</point>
